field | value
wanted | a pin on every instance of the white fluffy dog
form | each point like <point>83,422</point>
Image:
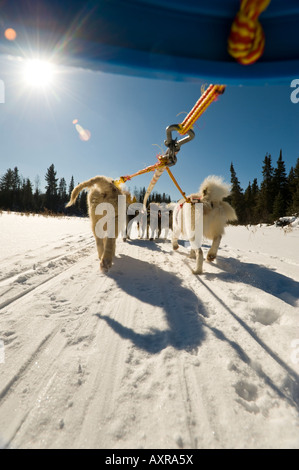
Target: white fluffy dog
<point>216,214</point>
<point>101,190</point>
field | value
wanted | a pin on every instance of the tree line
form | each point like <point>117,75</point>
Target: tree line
<point>277,195</point>
<point>139,194</point>
<point>20,194</point>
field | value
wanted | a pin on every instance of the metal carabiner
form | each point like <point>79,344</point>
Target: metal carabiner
<point>178,143</point>
<point>174,145</point>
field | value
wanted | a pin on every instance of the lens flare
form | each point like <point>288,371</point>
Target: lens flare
<point>10,34</point>
<point>84,134</point>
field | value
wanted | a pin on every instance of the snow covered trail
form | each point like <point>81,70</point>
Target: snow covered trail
<point>148,356</point>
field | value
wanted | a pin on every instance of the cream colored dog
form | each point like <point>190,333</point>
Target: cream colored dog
<point>101,190</point>
<point>216,214</point>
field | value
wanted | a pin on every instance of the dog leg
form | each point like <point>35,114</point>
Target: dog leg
<point>175,243</point>
<point>100,246</point>
<point>109,252</point>
<point>199,261</point>
<point>212,253</point>
<point>192,254</point>
<point>175,238</point>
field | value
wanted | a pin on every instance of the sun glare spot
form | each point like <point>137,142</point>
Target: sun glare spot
<point>84,134</point>
<point>39,73</point>
<point>10,34</point>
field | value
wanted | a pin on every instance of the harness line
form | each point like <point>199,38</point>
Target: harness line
<point>200,106</point>
<point>187,199</point>
<point>211,94</point>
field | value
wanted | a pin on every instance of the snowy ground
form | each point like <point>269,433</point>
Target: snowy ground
<point>148,356</point>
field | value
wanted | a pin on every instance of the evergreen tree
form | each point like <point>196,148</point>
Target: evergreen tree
<point>51,198</point>
<point>27,195</point>
<point>248,203</point>
<point>280,189</point>
<point>254,198</point>
<point>38,198</point>
<point>83,203</point>
<point>62,192</point>
<point>142,194</point>
<point>6,188</point>
<point>278,206</point>
<point>236,197</point>
<point>7,181</point>
<point>71,186</point>
<point>266,194</point>
<point>16,189</point>
<point>16,181</point>
<point>291,182</point>
<point>294,190</point>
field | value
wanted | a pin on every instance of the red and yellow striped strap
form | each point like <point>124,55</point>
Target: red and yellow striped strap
<point>200,106</point>
<point>246,41</point>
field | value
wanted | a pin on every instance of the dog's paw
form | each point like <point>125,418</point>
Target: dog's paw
<point>197,271</point>
<point>105,264</point>
<point>175,246</point>
<point>211,257</point>
<point>103,268</point>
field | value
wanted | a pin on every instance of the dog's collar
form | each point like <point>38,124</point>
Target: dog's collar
<point>193,200</point>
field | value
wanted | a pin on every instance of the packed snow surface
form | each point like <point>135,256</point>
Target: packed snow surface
<point>148,355</point>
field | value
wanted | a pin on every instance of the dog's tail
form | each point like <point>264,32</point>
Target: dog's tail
<point>98,180</point>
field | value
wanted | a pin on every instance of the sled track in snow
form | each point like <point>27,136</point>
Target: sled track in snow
<point>38,385</point>
<point>39,277</point>
<point>7,389</point>
<point>44,255</point>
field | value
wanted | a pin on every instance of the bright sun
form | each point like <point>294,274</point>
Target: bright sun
<point>39,73</point>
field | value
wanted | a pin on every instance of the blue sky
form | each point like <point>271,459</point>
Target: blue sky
<point>127,118</point>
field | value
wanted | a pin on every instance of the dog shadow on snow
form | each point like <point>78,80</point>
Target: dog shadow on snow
<point>157,244</point>
<point>261,277</point>
<point>185,316</point>
<point>158,288</point>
